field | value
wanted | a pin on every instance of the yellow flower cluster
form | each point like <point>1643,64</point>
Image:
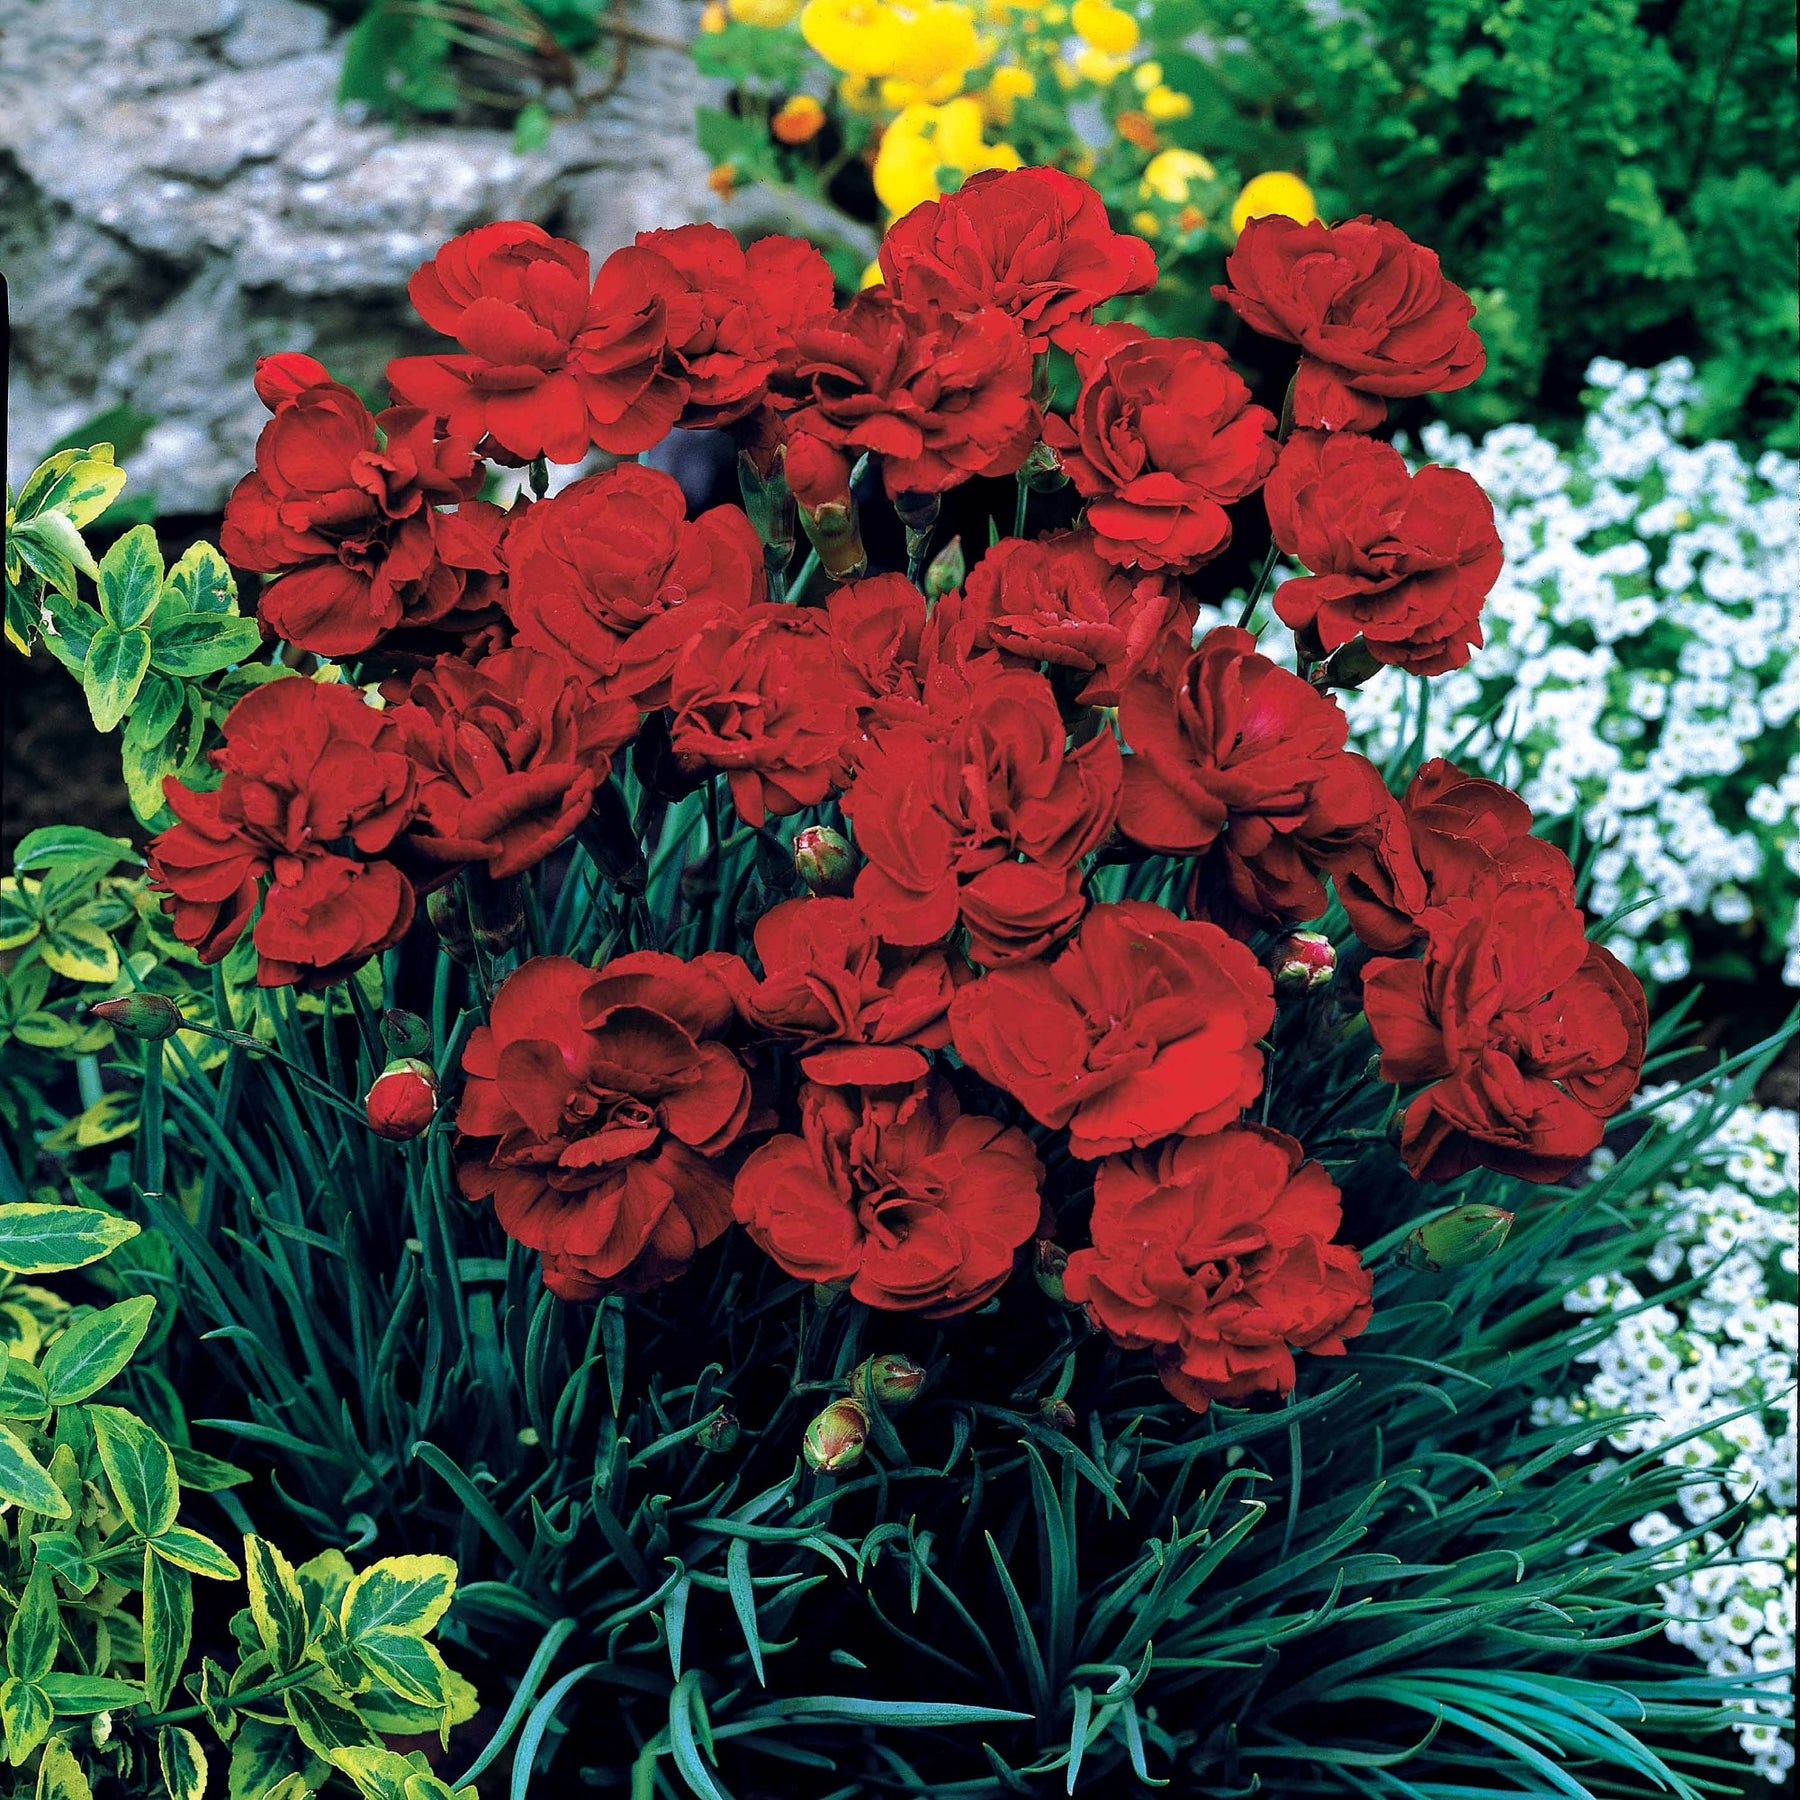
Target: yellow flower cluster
<point>926,142</point>
<point>921,55</point>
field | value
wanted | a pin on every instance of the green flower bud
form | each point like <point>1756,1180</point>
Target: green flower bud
<point>405,1033</point>
<point>1042,471</point>
<point>1049,1263</point>
<point>824,860</point>
<point>1349,667</point>
<point>1453,1240</point>
<point>449,917</point>
<point>141,1015</point>
<point>718,1435</point>
<point>945,572</point>
<point>1057,1413</point>
<point>834,1440</point>
<point>893,1380</point>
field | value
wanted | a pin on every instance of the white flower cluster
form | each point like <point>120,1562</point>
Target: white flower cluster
<point>1642,664</point>
<point>1716,1368</point>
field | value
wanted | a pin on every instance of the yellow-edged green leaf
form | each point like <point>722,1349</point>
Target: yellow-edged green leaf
<point>404,1593</point>
<point>58,846</point>
<point>81,951</point>
<point>382,1774</point>
<point>194,1551</point>
<point>168,1625</point>
<point>45,1031</point>
<point>264,1758</point>
<point>130,578</point>
<point>325,1724</point>
<point>94,1349</point>
<point>202,644</point>
<point>407,1664</point>
<point>41,1239</point>
<point>22,1391</point>
<point>80,483</point>
<point>112,672</point>
<point>60,1776</point>
<point>204,580</point>
<point>139,1468</point>
<point>32,1636</point>
<point>51,548</point>
<point>67,627</point>
<point>111,1117</point>
<point>25,1713</point>
<point>25,1481</point>
<point>277,1606</point>
<point>80,1696</point>
<point>64,1556</point>
<point>206,1474</point>
<point>182,1761</point>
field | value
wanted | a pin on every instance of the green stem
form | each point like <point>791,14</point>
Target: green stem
<point>808,569</point>
<point>1021,507</point>
<point>1262,581</point>
<point>150,1119</point>
<point>248,1697</point>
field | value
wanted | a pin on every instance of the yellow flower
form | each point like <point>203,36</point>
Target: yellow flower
<point>799,121</point>
<point>1099,68</point>
<point>1106,27</point>
<point>924,140</point>
<point>938,45</point>
<point>1165,103</point>
<point>1146,224</point>
<point>1274,191</point>
<point>859,37</point>
<point>1006,87</point>
<point>1056,14</point>
<point>1166,176</point>
<point>1146,76</point>
<point>713,19</point>
<point>771,15</point>
<point>872,276</point>
<point>1066,78</point>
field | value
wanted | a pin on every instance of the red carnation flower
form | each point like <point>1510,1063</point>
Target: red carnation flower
<point>1161,441</point>
<point>1145,1027</point>
<point>1530,1035</point>
<point>316,784</point>
<point>508,751</point>
<point>943,809</point>
<point>1035,243</point>
<point>759,696</point>
<point>1234,755</point>
<point>1403,561</point>
<point>1449,835</point>
<point>1369,308</point>
<point>860,1012</point>
<point>614,578</point>
<point>1057,600</point>
<point>597,1104</point>
<point>1216,1253</point>
<point>940,395</point>
<point>918,1205</point>
<point>343,506</point>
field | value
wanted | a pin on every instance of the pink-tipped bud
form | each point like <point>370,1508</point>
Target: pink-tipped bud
<point>834,1440</point>
<point>403,1100</point>
<point>140,1015</point>
<point>1303,960</point>
<point>824,860</point>
<point>893,1380</point>
<point>945,572</point>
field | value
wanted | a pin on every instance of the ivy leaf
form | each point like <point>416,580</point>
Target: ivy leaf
<point>139,1468</point>
<point>168,1625</point>
<point>182,1761</point>
<point>42,1239</point>
<point>25,1481</point>
<point>194,1551</point>
<point>131,578</point>
<point>277,1606</point>
<point>32,1636</point>
<point>203,644</point>
<point>112,672</point>
<point>403,1593</point>
<point>94,1349</point>
<point>26,1714</point>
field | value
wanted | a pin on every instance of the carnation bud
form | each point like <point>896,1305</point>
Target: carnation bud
<point>893,1380</point>
<point>834,1440</point>
<point>1049,1265</point>
<point>449,917</point>
<point>1057,1413</point>
<point>769,503</point>
<point>824,860</point>
<point>1349,667</point>
<point>944,573</point>
<point>1301,961</point>
<point>718,1435</point>
<point>820,478</point>
<point>403,1100</point>
<point>140,1015</point>
<point>1453,1240</point>
<point>405,1033</point>
<point>1042,471</point>
<point>918,512</point>
<point>496,910</point>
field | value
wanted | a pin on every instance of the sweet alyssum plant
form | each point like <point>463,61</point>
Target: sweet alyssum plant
<point>1052,1179</point>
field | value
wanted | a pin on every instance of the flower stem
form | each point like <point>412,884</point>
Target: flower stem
<point>1256,592</point>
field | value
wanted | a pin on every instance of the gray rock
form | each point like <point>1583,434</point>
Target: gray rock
<point>180,193</point>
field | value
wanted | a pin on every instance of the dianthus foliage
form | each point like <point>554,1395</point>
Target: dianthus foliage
<point>878,1169</point>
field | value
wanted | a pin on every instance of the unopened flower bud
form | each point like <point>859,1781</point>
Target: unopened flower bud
<point>496,910</point>
<point>1049,1264</point>
<point>718,1435</point>
<point>140,1015</point>
<point>893,1380</point>
<point>824,860</point>
<point>449,916</point>
<point>403,1100</point>
<point>1349,667</point>
<point>1453,1240</point>
<point>826,1294</point>
<point>769,504</point>
<point>1057,1413</point>
<point>405,1033</point>
<point>834,1440</point>
<point>918,512</point>
<point>819,476</point>
<point>1301,961</point>
<point>944,573</point>
<point>1042,471</point>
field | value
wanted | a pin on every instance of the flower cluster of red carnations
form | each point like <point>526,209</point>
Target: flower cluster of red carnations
<point>987,747</point>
